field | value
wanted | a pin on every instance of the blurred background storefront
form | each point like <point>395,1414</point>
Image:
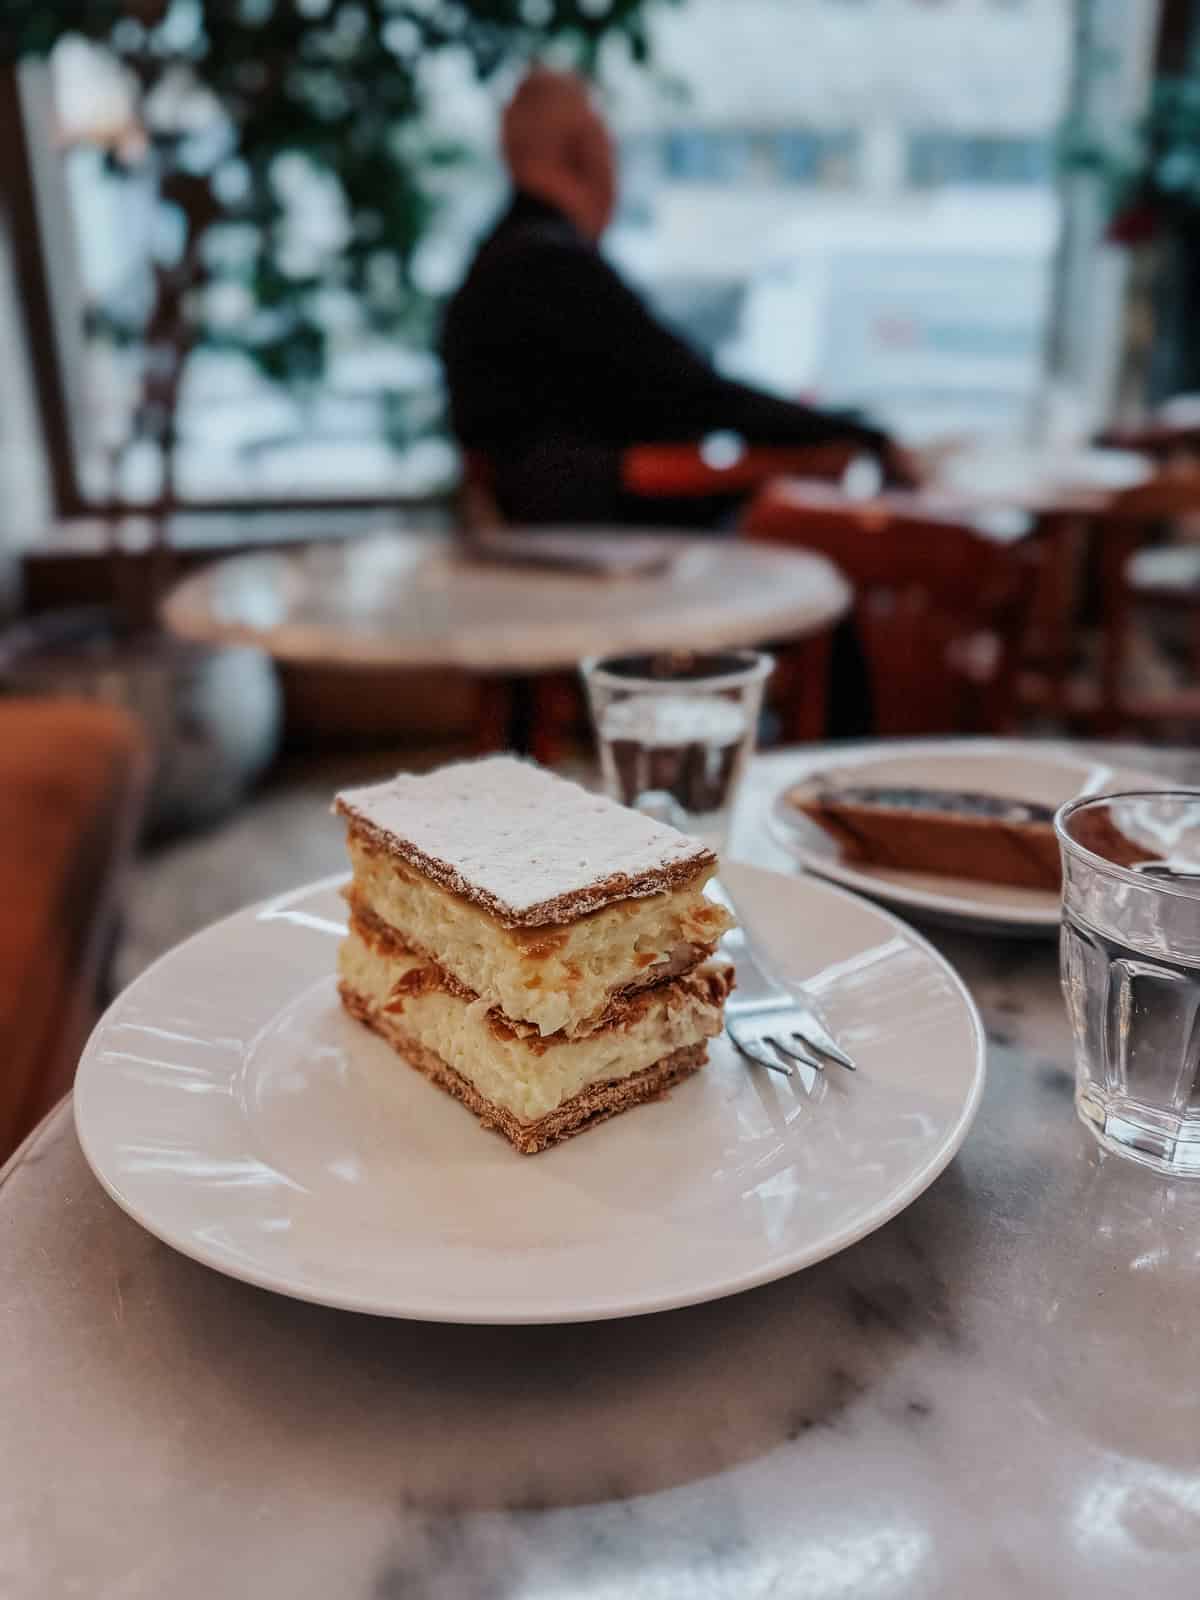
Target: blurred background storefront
<point>861,201</point>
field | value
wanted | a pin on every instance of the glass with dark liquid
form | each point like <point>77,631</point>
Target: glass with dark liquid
<point>1131,971</point>
<point>675,732</point>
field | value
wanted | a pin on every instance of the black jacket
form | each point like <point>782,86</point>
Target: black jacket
<point>554,365</point>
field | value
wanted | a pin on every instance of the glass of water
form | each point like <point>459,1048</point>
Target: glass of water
<point>676,731</point>
<point>1131,971</point>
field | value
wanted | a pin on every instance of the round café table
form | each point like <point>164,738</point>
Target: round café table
<point>418,600</point>
<point>993,1395</point>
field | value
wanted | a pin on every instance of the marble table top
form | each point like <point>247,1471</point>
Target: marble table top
<point>409,600</point>
<point>994,1395</point>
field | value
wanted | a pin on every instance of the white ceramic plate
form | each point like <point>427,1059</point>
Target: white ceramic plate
<point>1020,769</point>
<point>232,1108</point>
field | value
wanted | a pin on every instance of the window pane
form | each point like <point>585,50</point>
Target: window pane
<point>853,202</point>
<point>889,242</point>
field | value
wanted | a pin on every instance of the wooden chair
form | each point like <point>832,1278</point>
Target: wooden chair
<point>941,610</point>
<point>692,471</point>
<point>1136,572</point>
<point>476,509</point>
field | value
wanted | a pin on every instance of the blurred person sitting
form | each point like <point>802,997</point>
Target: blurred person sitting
<point>555,365</point>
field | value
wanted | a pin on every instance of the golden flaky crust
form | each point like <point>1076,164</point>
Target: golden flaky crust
<point>556,912</point>
<point>596,1103</point>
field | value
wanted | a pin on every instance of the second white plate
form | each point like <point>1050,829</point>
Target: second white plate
<point>1020,769</point>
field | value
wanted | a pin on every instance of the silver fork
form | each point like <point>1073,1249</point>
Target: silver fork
<point>767,1023</point>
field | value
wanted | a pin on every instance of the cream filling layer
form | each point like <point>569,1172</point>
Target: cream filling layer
<point>526,1076</point>
<point>558,978</point>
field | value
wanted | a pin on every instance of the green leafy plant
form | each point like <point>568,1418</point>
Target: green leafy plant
<point>233,95</point>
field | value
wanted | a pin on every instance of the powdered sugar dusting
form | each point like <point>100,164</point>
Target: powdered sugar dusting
<point>530,847</point>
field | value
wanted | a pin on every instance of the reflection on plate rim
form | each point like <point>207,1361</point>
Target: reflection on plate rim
<point>912,1188</point>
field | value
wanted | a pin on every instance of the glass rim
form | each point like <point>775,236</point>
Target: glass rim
<point>759,664</point>
<point>1084,802</point>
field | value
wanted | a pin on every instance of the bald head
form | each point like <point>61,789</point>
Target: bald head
<point>557,146</point>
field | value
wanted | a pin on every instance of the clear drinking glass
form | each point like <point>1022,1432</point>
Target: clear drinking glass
<point>1131,971</point>
<point>675,732</point>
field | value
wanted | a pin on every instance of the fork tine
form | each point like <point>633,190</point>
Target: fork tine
<point>761,1061</point>
<point>827,1049</point>
<point>817,1037</point>
<point>795,1055</point>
